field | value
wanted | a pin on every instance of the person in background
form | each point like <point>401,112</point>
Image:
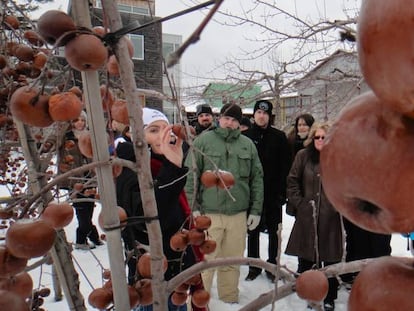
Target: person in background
<point>300,132</point>
<point>316,237</point>
<point>205,119</point>
<point>115,130</point>
<point>84,203</point>
<point>125,136</point>
<point>361,244</point>
<point>231,210</point>
<point>168,173</point>
<point>274,153</point>
<point>245,124</point>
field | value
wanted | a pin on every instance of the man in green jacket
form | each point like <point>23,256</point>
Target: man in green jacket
<point>226,149</point>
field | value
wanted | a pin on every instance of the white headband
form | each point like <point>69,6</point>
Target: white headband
<point>151,115</point>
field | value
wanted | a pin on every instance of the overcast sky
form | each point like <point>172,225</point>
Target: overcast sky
<point>218,42</point>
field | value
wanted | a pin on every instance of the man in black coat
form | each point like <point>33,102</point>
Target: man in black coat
<point>273,148</point>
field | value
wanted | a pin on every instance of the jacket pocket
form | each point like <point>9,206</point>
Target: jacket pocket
<point>244,168</point>
<point>211,158</point>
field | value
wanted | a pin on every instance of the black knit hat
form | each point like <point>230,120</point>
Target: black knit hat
<point>232,110</point>
<point>203,108</point>
<point>246,121</point>
<point>264,105</point>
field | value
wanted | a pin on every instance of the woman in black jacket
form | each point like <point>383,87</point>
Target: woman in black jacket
<point>300,132</point>
<point>84,200</point>
<point>168,177</point>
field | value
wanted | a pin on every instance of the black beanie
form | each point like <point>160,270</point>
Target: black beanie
<point>246,121</point>
<point>203,108</point>
<point>232,110</point>
<point>264,105</point>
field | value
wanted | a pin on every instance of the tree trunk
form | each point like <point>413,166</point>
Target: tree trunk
<point>104,175</point>
<point>61,251</point>
<point>143,162</point>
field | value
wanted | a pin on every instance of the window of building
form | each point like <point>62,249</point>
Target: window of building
<point>138,42</point>
<point>128,8</point>
<point>168,48</point>
<point>142,11</point>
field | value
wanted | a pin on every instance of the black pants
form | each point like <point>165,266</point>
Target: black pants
<point>361,244</point>
<point>304,265</point>
<point>270,222</point>
<point>86,228</point>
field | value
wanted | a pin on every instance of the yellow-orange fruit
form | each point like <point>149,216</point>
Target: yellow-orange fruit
<point>178,298</point>
<point>30,238</point>
<point>9,264</point>
<point>144,290</point>
<point>202,222</point>
<point>200,298</point>
<point>226,179</point>
<point>196,237</point>
<point>86,52</point>
<point>33,37</point>
<point>144,265</point>
<point>12,301</point>
<point>312,285</point>
<point>52,24</point>
<point>64,106</point>
<point>179,241</point>
<point>85,144</point>
<point>30,107</point>
<point>20,284</point>
<point>383,285</point>
<point>121,213</point>
<point>209,179</point>
<point>12,21</point>
<point>208,246</point>
<point>100,298</point>
<point>59,215</point>
<point>119,111</point>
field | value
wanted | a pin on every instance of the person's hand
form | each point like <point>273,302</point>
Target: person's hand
<point>252,222</point>
<point>196,213</point>
<point>172,146</point>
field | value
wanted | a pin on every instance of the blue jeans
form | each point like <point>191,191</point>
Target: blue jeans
<point>171,307</point>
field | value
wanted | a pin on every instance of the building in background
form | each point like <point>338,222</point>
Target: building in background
<point>147,43</point>
<point>170,43</point>
<point>324,90</point>
<point>216,94</point>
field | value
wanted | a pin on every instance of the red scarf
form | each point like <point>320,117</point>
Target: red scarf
<point>185,207</point>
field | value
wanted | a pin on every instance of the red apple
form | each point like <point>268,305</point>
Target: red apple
<point>312,285</point>
<point>386,49</point>
<point>208,246</point>
<point>202,222</point>
<point>386,284</point>
<point>196,237</point>
<point>179,241</point>
<point>209,179</point>
<point>200,298</point>
<point>180,131</point>
<point>367,166</point>
<point>226,179</point>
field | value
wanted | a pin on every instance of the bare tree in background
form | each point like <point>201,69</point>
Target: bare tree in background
<point>284,42</point>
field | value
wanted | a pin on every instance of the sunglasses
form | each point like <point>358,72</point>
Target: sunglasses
<point>318,137</point>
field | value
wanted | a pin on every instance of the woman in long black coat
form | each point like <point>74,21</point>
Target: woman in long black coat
<point>168,175</point>
<point>316,236</point>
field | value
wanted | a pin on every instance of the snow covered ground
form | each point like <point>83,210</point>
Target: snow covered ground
<point>90,264</point>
